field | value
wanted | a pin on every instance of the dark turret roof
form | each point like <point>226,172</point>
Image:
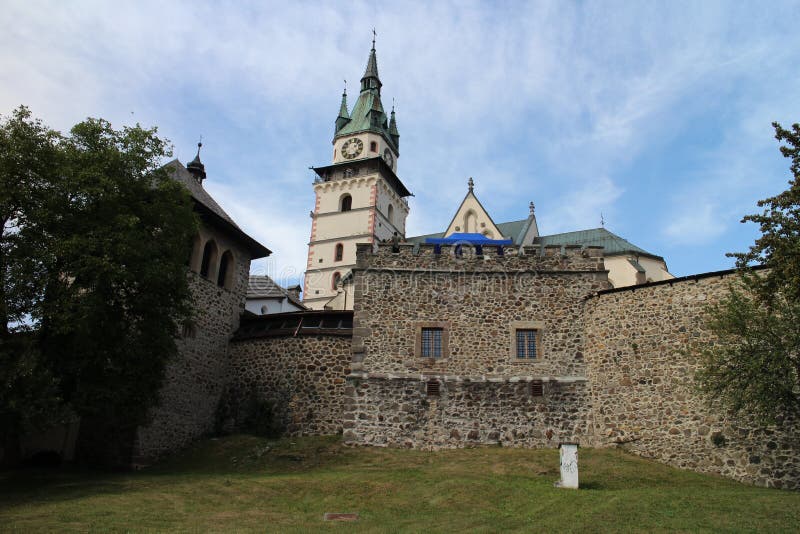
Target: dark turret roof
<point>208,207</point>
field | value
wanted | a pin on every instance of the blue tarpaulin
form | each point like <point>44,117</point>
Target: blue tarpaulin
<point>467,239</point>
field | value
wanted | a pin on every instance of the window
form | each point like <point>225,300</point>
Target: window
<point>225,275</point>
<point>209,258</point>
<point>527,341</point>
<point>431,343</point>
<point>339,254</point>
<point>373,146</point>
<point>337,277</point>
<point>537,388</point>
<point>346,204</point>
<point>390,213</point>
<point>432,388</point>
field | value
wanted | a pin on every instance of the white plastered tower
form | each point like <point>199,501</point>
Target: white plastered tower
<point>359,198</point>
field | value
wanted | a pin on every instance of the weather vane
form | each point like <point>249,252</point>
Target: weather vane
<point>602,220</point>
<point>374,35</point>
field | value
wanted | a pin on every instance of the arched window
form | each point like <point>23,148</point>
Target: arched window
<point>346,203</point>
<point>339,254</point>
<point>225,275</point>
<point>209,258</point>
<point>337,277</point>
<point>390,213</point>
<point>373,146</point>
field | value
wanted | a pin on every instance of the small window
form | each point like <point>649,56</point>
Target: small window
<point>188,331</point>
<point>225,274</point>
<point>527,341</point>
<point>337,277</point>
<point>339,254</point>
<point>264,309</point>
<point>537,388</point>
<point>346,203</point>
<point>373,146</point>
<point>432,388</point>
<point>431,343</point>
<point>209,258</point>
<point>390,213</point>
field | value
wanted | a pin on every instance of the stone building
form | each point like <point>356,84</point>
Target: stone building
<point>264,296</point>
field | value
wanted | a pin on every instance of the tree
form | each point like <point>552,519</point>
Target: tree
<point>754,366</point>
<point>106,238</point>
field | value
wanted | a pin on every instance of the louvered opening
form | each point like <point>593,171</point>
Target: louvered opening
<point>537,388</point>
<point>433,388</point>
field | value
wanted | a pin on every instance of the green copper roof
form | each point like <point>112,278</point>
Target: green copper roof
<point>368,114</point>
<point>598,237</point>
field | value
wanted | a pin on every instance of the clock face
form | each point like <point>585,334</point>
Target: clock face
<point>387,157</point>
<point>352,148</point>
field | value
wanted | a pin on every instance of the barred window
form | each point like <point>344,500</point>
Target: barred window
<point>526,344</point>
<point>431,342</point>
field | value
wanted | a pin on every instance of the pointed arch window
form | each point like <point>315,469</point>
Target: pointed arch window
<point>373,146</point>
<point>337,277</point>
<point>346,203</point>
<point>339,253</point>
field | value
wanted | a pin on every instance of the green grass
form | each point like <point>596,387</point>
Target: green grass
<point>242,483</point>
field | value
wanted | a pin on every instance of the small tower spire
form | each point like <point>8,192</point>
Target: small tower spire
<point>344,116</point>
<point>196,167</point>
<point>393,133</point>
<point>471,184</point>
<point>532,208</point>
<point>371,80</point>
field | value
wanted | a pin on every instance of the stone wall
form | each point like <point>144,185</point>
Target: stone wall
<point>477,300</point>
<point>644,396</point>
<point>302,375</point>
<point>195,380</point>
<point>397,412</point>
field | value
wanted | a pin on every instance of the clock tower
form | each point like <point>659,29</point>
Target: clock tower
<point>359,197</point>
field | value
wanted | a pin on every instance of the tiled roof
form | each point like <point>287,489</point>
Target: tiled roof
<point>261,287</point>
<point>183,176</point>
<point>598,237</point>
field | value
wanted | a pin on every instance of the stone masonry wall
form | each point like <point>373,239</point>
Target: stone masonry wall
<point>478,301</point>
<point>644,396</point>
<point>397,412</point>
<point>302,375</point>
<point>195,380</point>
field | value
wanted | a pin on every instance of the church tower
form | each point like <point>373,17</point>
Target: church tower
<point>359,198</point>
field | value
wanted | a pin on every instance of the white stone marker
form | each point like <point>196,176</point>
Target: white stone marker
<point>569,465</point>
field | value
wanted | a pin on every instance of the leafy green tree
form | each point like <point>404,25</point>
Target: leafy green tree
<point>29,159</point>
<point>754,366</point>
<point>105,234</point>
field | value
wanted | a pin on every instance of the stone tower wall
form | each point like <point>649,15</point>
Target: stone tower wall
<point>643,393</point>
<point>194,381</point>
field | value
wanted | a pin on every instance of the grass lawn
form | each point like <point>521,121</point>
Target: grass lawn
<point>243,483</point>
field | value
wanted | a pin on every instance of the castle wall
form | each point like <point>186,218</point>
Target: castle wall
<point>644,395</point>
<point>302,375</point>
<point>195,380</point>
<point>477,301</point>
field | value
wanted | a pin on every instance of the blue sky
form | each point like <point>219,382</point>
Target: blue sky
<point>655,114</point>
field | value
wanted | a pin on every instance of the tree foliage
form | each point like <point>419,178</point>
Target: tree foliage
<point>754,366</point>
<point>92,257</point>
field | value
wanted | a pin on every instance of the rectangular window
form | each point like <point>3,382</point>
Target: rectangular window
<point>526,344</point>
<point>431,343</point>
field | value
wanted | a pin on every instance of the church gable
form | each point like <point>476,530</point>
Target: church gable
<point>472,218</point>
